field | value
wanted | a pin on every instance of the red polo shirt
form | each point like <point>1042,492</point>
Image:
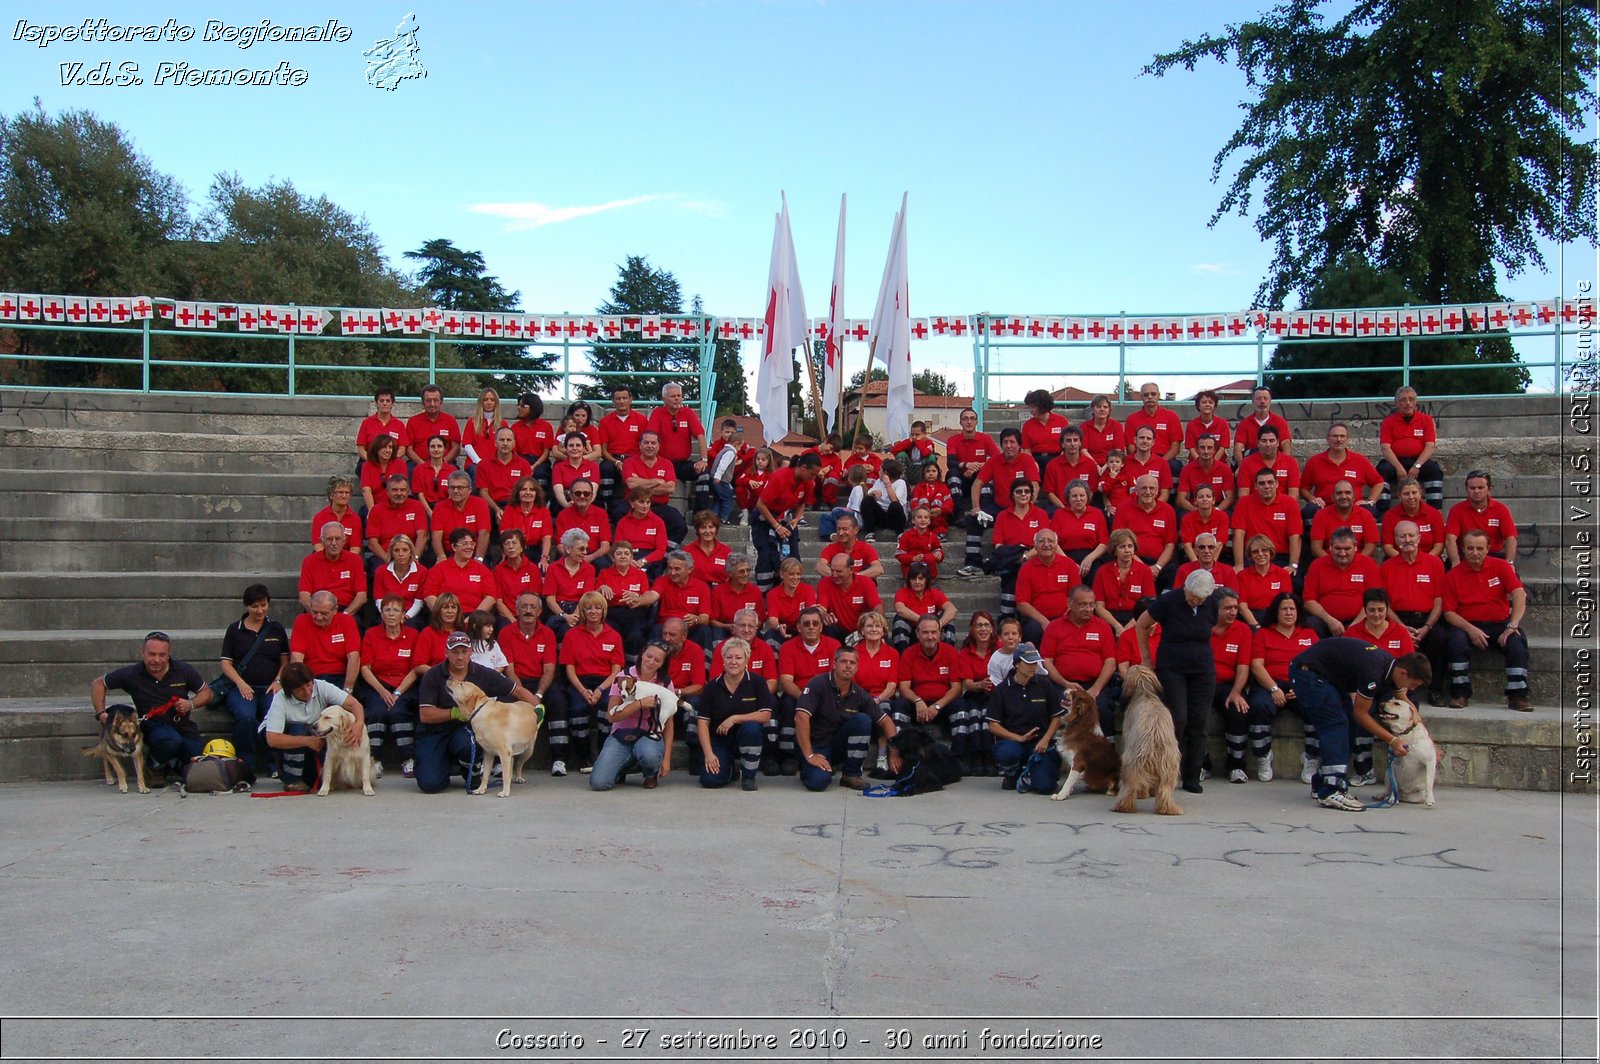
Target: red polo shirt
<point>324,650</point>
<point>376,477</point>
<point>1277,520</point>
<point>1494,520</point>
<point>763,662</point>
<point>1101,442</point>
<point>930,678</point>
<point>1225,575</point>
<point>725,601</point>
<point>1219,476</point>
<point>1413,586</point>
<point>474,517</point>
<point>1229,650</point>
<point>564,474</point>
<point>563,585</point>
<point>802,663</point>
<point>1484,595</point>
<point>409,587</point>
<point>384,522</point>
<point>960,450</point>
<point>1218,428</point>
<point>635,580</point>
<point>713,567</point>
<point>421,428</point>
<point>693,597</point>
<point>509,582</point>
<point>877,670</point>
<point>1286,468</point>
<point>592,654</point>
<point>534,524</point>
<point>1258,591</point>
<point>1430,526</point>
<point>1394,638</point>
<point>1191,524</point>
<point>784,492</point>
<point>647,536</point>
<point>1059,473</point>
<point>471,583</point>
<point>785,608</point>
<point>1001,474</point>
<point>1045,437</point>
<point>498,478</point>
<point>678,431</point>
<point>1321,473</point>
<point>534,438</point>
<point>1276,650</point>
<point>660,469</point>
<point>1079,533</point>
<point>346,577</point>
<point>619,435</point>
<point>1047,587</point>
<point>372,427</point>
<point>1165,423</point>
<point>1079,653</point>
<point>1013,531</point>
<point>389,659</point>
<point>349,519</point>
<point>1360,521</point>
<point>927,604</point>
<point>1118,593</point>
<point>1249,429</point>
<point>847,604</point>
<point>686,668</point>
<point>1338,590</point>
<point>1154,528</point>
<point>528,654</point>
<point>1407,438</point>
<point>1157,466</point>
<point>593,521</point>
<point>430,484</point>
<point>862,554</point>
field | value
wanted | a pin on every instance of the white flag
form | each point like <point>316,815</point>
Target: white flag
<point>833,338</point>
<point>891,331</point>
<point>785,323</point>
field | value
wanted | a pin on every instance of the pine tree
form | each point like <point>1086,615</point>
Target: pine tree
<point>643,290</point>
<point>455,279</point>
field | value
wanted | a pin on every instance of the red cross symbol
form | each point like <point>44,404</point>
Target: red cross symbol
<point>1342,325</point>
<point>552,327</point>
<point>372,324</point>
<point>1114,331</point>
<point>1408,323</point>
<point>669,327</point>
<point>1364,326</point>
<point>247,320</point>
<point>413,323</point>
<point>958,327</point>
<point>141,309</point>
<point>1386,325</point>
<point>1016,327</point>
<point>920,331</point>
<point>1096,328</point>
<point>1547,314</point>
<point>747,330</point>
<point>1499,317</point>
<point>1215,328</point>
<point>53,310</point>
<point>1278,325</point>
<point>650,329</point>
<point>473,324</point>
<point>99,312</point>
<point>309,322</point>
<point>1430,323</point>
<point>185,317</point>
<point>590,328</point>
<point>1299,325</point>
<point>571,327</point>
<point>1320,323</point>
<point>1035,327</point>
<point>30,309</point>
<point>206,318</point>
<point>514,326</point>
<point>120,311</point>
<point>1452,321</point>
<point>613,328</point>
<point>227,313</point>
<point>269,317</point>
<point>1055,330</point>
<point>1197,329</point>
<point>940,326</point>
<point>1074,331</point>
<point>689,328</point>
<point>7,308</point>
<point>1475,319</point>
<point>431,318</point>
<point>492,327</point>
<point>1521,316</point>
<point>1237,326</point>
<point>1135,331</point>
<point>452,323</point>
<point>391,320</point>
<point>859,331</point>
<point>349,323</point>
<point>728,330</point>
<point>1569,312</point>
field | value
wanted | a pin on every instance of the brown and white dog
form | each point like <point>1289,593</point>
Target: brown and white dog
<point>1091,760</point>
<point>120,738</point>
<point>505,730</point>
<point>343,764</point>
<point>1149,746</point>
<point>1413,774</point>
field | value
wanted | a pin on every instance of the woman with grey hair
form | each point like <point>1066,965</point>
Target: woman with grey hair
<point>568,580</point>
<point>1184,664</point>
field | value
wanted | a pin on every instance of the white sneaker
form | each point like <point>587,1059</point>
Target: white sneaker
<point>1366,779</point>
<point>1308,767</point>
<point>584,770</point>
<point>1344,802</point>
<point>1264,769</point>
<point>1237,776</point>
<point>377,769</point>
<point>970,572</point>
<point>1205,774</point>
<point>408,768</point>
<point>558,767</point>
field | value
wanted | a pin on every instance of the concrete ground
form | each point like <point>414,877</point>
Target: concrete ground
<point>452,926</point>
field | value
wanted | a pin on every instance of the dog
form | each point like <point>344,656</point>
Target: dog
<point>120,737</point>
<point>343,764</point>
<point>505,730</point>
<point>666,701</point>
<point>926,765</point>
<point>1090,757</point>
<point>1413,774</point>
<point>1149,746</point>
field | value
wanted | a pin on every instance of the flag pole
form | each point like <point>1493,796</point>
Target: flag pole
<point>816,392</point>
<point>861,396</point>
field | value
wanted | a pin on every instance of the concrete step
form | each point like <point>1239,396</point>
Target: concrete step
<point>175,453</point>
<point>242,506</point>
<point>213,548</point>
<point>140,482</point>
<point>63,662</point>
<point>128,599</point>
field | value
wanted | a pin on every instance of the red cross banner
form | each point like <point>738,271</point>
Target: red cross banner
<point>350,323</point>
<point>227,312</point>
<point>183,315</point>
<point>206,315</point>
<point>77,310</point>
<point>9,306</point>
<point>1548,311</point>
<point>514,326</point>
<point>249,318</point>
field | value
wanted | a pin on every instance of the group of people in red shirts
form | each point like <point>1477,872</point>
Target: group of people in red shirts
<point>592,559</point>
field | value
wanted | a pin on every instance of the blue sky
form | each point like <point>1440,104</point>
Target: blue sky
<point>1045,174</point>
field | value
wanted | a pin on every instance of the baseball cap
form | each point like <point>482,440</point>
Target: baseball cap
<point>457,639</point>
<point>1027,653</point>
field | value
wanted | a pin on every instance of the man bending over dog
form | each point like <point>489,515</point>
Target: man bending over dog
<point>1337,682</point>
<point>165,692</point>
<point>444,738</point>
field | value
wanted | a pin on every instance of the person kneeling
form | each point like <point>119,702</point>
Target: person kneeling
<point>833,722</point>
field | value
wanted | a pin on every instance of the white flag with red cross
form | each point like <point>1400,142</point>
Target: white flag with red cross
<point>10,306</point>
<point>248,318</point>
<point>207,315</point>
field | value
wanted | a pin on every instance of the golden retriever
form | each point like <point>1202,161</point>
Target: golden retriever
<point>343,765</point>
<point>1090,758</point>
<point>1149,746</point>
<point>120,737</point>
<point>1413,774</point>
<point>505,730</point>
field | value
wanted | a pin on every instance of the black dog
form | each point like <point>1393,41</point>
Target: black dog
<point>926,765</point>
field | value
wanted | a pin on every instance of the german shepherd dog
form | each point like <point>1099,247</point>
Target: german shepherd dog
<point>120,737</point>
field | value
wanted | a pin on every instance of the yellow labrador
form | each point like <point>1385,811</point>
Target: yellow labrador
<point>1413,774</point>
<point>343,765</point>
<point>505,730</point>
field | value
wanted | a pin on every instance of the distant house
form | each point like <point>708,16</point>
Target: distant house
<point>1240,390</point>
<point>939,411</point>
<point>754,435</point>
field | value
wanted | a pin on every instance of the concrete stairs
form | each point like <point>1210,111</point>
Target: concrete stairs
<point>126,513</point>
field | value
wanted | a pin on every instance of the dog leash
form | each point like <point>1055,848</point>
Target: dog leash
<point>896,789</point>
<point>1393,797</point>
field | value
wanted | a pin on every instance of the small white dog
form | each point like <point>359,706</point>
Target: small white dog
<point>342,764</point>
<point>1413,774</point>
<point>666,701</point>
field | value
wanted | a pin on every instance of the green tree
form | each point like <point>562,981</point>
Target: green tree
<point>643,290</point>
<point>455,279</point>
<point>1353,283</point>
<point>923,382</point>
<point>81,213</point>
<point>1435,145</point>
<point>731,394</point>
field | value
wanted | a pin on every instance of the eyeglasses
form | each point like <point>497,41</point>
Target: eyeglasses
<point>160,637</point>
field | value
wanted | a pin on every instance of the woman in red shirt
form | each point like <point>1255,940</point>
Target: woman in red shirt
<point>1041,431</point>
<point>592,655</point>
<point>1014,530</point>
<point>976,650</point>
<point>1261,582</point>
<point>785,602</point>
<point>388,681</point>
<point>1081,530</point>
<point>528,514</point>
<point>919,599</point>
<point>447,617</point>
<point>384,460</point>
<point>477,435</point>
<point>402,577</point>
<point>568,580</point>
<point>1122,583</point>
<point>1274,646</point>
<point>710,554</point>
<point>431,479</point>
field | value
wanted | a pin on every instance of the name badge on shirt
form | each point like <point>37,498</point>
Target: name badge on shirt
<point>1494,581</point>
<point>1276,516</point>
<point>403,652</point>
<point>1158,524</point>
<point>344,574</point>
<point>336,637</point>
<point>474,578</point>
<point>1093,637</point>
<point>1231,648</point>
<point>608,647</point>
<point>1358,578</point>
<point>1424,578</point>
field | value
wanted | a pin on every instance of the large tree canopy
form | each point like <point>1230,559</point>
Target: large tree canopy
<point>1435,142</point>
<point>456,279</point>
<point>643,290</point>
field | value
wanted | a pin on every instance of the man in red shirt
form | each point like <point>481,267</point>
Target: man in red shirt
<point>1409,439</point>
<point>381,423</point>
<point>844,597</point>
<point>619,432</point>
<point>460,509</point>
<point>650,469</point>
<point>966,453</point>
<point>1207,468</point>
<point>1267,513</point>
<point>1166,425</point>
<point>1154,525</point>
<point>683,443</point>
<point>530,647</point>
<point>397,512</point>
<point>1415,582</point>
<point>335,570</point>
<point>682,595</point>
<point>1485,514</point>
<point>433,421</point>
<point>864,557</point>
<point>1044,586</point>
<point>777,512</point>
<point>1338,462</point>
<point>1260,416</point>
<point>1071,464</point>
<point>1343,512</point>
<point>800,659</point>
<point>498,473</point>
<point>1269,455</point>
<point>1336,584</point>
<point>685,668</point>
<point>931,679</point>
<point>1079,651</point>
<point>327,641</point>
<point>1484,603</point>
<point>585,514</point>
<point>515,576</point>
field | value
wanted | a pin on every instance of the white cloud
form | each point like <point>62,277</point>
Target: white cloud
<point>1209,267</point>
<point>532,215</point>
